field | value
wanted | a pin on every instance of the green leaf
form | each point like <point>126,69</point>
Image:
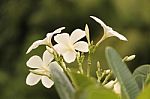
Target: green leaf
<point>96,92</point>
<point>62,83</point>
<point>140,79</point>
<point>81,81</point>
<point>128,84</point>
<point>145,93</point>
<point>147,81</point>
<point>141,75</point>
<point>143,70</point>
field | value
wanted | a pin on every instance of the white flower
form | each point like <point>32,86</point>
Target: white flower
<point>67,45</point>
<point>114,85</point>
<point>46,41</point>
<point>117,88</point>
<point>108,31</point>
<point>41,70</point>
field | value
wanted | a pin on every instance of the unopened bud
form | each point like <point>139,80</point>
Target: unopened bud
<point>50,50</point>
<point>87,33</point>
<point>78,72</point>
<point>107,71</point>
<point>129,58</point>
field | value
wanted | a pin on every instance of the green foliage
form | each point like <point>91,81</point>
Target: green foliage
<point>121,71</point>
<point>147,81</point>
<point>141,74</point>
<point>86,88</point>
<point>62,83</point>
<point>96,92</point>
<point>145,93</point>
<point>81,81</point>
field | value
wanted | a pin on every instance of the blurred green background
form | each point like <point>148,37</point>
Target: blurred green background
<point>24,21</point>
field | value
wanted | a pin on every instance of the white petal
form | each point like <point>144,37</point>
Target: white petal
<point>62,38</point>
<point>47,57</point>
<point>105,27</point>
<point>59,30</point>
<point>60,48</point>
<point>99,21</point>
<point>81,46</point>
<point>114,33</point>
<point>69,56</point>
<point>47,82</point>
<point>108,31</point>
<point>107,71</point>
<point>34,62</point>
<point>117,88</point>
<point>35,45</point>
<point>50,35</point>
<point>109,84</point>
<point>32,79</point>
<point>77,35</point>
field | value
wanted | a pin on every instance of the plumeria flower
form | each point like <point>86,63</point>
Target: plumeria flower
<point>114,85</point>
<point>40,70</point>
<point>67,45</point>
<point>46,41</point>
<point>108,31</point>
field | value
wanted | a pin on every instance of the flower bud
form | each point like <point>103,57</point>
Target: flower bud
<point>50,50</point>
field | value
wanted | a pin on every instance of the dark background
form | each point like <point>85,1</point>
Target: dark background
<point>24,21</point>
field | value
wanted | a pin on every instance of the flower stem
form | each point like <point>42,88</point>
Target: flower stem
<point>89,65</point>
<point>80,59</point>
<point>99,72</point>
<point>107,78</point>
<point>97,44</point>
<point>92,49</point>
<point>80,68</point>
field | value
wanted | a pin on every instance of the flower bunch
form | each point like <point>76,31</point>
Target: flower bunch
<point>67,49</point>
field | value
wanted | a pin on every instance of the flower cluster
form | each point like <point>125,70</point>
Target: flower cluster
<point>67,46</point>
<point>67,49</point>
